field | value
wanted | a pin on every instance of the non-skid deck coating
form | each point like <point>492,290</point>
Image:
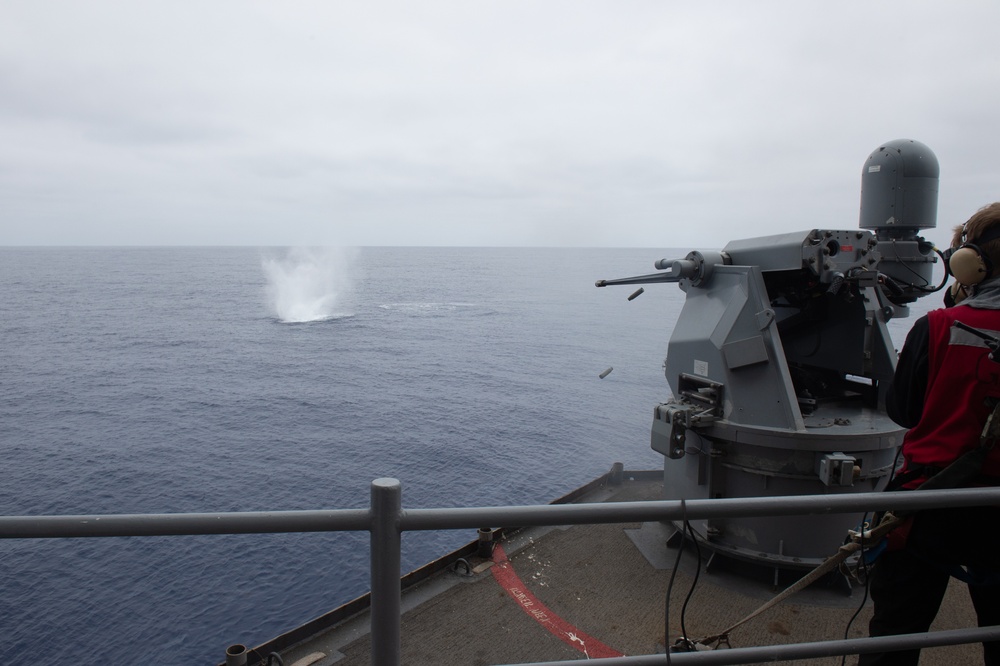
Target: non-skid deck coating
<point>597,579</point>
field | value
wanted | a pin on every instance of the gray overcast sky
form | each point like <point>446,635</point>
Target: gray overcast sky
<point>663,124</point>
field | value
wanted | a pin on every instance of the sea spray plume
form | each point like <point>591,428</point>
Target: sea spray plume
<point>309,284</point>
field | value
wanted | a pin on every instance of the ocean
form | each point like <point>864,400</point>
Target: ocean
<point>150,380</point>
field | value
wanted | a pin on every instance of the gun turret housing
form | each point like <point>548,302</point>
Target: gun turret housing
<point>780,359</point>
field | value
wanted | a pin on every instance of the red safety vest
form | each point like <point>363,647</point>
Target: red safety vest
<point>960,378</point>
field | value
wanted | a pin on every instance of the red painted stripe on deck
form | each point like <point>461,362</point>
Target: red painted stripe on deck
<point>504,574</point>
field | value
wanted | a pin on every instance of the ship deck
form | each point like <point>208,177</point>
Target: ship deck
<point>576,591</point>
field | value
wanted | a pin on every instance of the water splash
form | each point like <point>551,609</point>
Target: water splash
<point>309,284</point>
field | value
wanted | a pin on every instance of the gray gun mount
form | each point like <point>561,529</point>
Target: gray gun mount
<point>778,364</point>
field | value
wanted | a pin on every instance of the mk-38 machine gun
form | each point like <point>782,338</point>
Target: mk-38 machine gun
<point>780,360</point>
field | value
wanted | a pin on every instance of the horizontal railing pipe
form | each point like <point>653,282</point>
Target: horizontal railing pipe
<point>772,653</point>
<point>730,507</point>
<point>340,520</point>
<point>178,524</point>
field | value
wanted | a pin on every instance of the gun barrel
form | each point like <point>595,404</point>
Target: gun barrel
<point>675,270</point>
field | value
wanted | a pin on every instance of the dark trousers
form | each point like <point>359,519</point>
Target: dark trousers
<point>907,585</point>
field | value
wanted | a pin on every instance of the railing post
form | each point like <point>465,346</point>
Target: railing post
<point>386,543</point>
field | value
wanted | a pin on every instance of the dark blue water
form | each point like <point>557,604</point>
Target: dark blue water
<point>168,380</point>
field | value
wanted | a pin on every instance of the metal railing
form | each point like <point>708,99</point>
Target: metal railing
<point>386,520</point>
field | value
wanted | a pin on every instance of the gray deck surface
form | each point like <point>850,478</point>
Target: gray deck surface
<point>597,579</point>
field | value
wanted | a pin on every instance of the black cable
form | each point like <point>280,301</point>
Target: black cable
<point>895,464</point>
<point>697,573</point>
<point>670,587</point>
<point>947,272</point>
<point>861,555</point>
<point>864,599</point>
<point>673,576</point>
<point>926,286</point>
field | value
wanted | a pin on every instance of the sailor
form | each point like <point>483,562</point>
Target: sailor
<point>946,388</point>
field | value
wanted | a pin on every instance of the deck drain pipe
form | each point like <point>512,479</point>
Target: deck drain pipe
<point>485,549</point>
<point>236,655</point>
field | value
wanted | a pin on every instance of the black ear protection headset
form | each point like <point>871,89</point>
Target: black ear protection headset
<point>968,263</point>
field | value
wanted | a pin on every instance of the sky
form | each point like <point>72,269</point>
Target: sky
<point>625,123</point>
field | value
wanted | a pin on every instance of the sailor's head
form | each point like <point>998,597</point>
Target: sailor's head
<point>975,247</point>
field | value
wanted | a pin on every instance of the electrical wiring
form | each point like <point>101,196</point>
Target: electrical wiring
<point>684,641</point>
